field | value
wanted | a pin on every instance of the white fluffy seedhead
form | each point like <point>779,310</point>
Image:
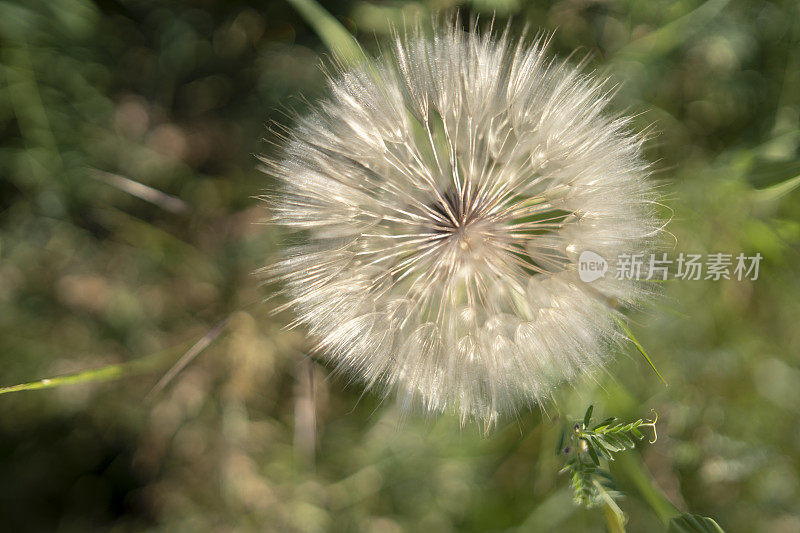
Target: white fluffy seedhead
<point>443,194</point>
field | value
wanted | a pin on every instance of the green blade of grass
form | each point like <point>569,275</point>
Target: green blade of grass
<point>639,347</point>
<point>106,373</point>
<point>338,40</point>
<point>777,191</point>
<point>631,469</point>
<point>142,365</point>
<point>673,34</point>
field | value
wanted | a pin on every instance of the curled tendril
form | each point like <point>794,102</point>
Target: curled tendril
<point>652,424</point>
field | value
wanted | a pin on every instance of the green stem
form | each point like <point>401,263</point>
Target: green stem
<point>142,365</point>
<point>631,468</point>
<point>615,523</point>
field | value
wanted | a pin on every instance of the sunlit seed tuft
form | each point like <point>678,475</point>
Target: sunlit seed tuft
<point>443,195</point>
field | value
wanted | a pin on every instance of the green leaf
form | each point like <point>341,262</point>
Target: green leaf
<point>615,522</point>
<point>588,416</point>
<point>603,449</point>
<point>604,423</point>
<point>593,454</point>
<point>766,174</point>
<point>613,443</point>
<point>560,443</point>
<point>774,192</point>
<point>625,440</point>
<point>692,523</point>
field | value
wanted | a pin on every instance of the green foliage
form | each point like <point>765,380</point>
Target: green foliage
<point>589,448</point>
<point>692,523</point>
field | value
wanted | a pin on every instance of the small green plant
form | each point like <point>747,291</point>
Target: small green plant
<point>589,449</point>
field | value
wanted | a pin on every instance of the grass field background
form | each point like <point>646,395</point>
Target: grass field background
<point>129,230</point>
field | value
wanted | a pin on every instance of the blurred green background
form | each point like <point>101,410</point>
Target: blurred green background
<point>128,227</point>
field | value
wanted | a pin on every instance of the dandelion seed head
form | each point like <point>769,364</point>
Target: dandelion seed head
<point>442,195</point>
